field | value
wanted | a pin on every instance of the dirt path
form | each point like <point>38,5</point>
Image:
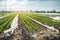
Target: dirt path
<point>25,34</point>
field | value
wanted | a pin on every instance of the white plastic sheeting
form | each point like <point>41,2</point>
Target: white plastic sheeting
<point>56,18</point>
<point>14,26</point>
<point>2,17</point>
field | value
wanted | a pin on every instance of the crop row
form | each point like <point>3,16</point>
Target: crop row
<point>45,20</point>
<point>6,22</point>
<point>30,24</point>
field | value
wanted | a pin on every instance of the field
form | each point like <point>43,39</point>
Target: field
<point>29,25</point>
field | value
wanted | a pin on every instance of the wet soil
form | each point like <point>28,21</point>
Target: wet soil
<point>21,33</point>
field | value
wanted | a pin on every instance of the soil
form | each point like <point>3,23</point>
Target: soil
<point>22,33</point>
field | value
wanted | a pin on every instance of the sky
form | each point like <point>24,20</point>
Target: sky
<point>18,5</point>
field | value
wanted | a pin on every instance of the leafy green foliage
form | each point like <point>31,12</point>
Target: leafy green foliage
<point>5,22</point>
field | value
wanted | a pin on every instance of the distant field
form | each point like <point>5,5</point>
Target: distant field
<point>6,19</point>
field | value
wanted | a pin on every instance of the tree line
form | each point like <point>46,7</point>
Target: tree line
<point>53,11</point>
